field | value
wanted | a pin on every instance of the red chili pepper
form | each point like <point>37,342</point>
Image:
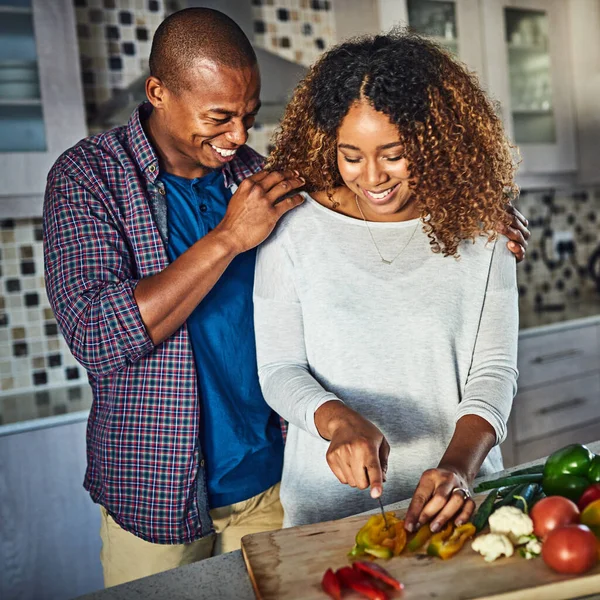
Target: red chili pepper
<point>378,572</point>
<point>331,585</point>
<point>357,581</point>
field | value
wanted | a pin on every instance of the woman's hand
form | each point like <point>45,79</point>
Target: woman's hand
<point>442,494</point>
<point>358,452</point>
<point>516,232</point>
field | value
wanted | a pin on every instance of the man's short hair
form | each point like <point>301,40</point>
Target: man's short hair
<point>193,34</point>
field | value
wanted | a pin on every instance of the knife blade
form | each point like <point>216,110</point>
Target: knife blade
<point>382,511</point>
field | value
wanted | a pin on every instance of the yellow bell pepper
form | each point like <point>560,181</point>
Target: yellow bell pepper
<point>380,539</point>
<point>450,540</point>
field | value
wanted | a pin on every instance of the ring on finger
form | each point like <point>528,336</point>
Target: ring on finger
<point>464,491</point>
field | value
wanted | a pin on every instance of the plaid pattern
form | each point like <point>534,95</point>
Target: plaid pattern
<point>100,238</point>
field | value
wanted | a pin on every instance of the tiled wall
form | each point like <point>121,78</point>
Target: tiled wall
<point>298,30</point>
<point>559,285</point>
<point>32,352</point>
<point>114,43</point>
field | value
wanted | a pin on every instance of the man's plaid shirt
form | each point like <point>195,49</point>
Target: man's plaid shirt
<point>104,230</point>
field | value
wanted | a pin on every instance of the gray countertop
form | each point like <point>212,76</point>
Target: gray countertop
<point>46,407</point>
<point>223,577</point>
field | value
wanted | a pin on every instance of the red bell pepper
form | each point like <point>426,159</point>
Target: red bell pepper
<point>331,585</point>
<point>357,581</point>
<point>378,572</point>
<point>591,494</point>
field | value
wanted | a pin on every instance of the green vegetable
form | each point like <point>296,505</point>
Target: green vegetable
<point>538,496</point>
<point>510,480</point>
<point>594,470</point>
<point>484,511</point>
<point>524,500</point>
<point>509,499</point>
<point>568,471</point>
<point>529,470</point>
<point>574,459</point>
<point>569,486</point>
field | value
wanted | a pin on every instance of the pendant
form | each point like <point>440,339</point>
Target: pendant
<point>334,205</point>
<point>387,262</point>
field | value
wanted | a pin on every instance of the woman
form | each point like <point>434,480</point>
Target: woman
<point>385,306</point>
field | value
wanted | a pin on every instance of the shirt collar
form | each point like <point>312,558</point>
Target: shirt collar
<point>142,150</point>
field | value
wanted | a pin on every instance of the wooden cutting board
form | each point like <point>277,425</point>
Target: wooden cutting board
<point>290,563</point>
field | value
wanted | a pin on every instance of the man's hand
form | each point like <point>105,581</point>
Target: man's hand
<point>358,452</point>
<point>253,210</point>
<point>516,232</point>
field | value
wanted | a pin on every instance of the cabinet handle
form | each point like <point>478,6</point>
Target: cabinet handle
<point>561,405</point>
<point>546,358</point>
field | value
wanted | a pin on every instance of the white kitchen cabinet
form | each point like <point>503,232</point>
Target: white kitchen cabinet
<point>454,24</point>
<point>527,69</point>
<point>558,401</point>
<point>41,101</point>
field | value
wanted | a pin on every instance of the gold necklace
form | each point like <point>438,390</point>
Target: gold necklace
<point>384,260</point>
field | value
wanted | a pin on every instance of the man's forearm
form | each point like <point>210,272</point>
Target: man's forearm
<point>168,298</point>
<point>473,438</point>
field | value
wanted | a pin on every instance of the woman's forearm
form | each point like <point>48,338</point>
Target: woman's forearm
<point>473,438</point>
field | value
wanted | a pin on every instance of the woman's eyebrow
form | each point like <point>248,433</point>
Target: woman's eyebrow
<point>382,147</point>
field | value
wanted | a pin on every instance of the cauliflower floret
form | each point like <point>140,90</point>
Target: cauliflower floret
<point>493,545</point>
<point>532,549</point>
<point>512,522</point>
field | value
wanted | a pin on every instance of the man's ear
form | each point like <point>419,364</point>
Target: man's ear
<point>156,92</point>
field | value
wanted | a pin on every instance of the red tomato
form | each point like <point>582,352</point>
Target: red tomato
<point>570,549</point>
<point>591,494</point>
<point>552,512</point>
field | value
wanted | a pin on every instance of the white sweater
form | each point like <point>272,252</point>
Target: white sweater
<point>413,346</point>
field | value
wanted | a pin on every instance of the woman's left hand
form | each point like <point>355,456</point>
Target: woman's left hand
<point>442,494</point>
<point>517,233</point>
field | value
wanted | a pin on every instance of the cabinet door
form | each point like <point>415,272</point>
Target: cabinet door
<point>44,113</point>
<point>528,71</point>
<point>454,24</point>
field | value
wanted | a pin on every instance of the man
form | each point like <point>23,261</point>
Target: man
<point>150,231</point>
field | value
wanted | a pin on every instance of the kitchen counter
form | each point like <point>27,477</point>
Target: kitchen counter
<point>223,577</point>
<point>48,407</point>
<point>586,307</point>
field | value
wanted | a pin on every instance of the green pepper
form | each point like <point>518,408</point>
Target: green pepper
<point>594,470</point>
<point>567,471</point>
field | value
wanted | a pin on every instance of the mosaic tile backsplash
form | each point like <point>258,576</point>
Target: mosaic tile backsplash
<point>114,39</point>
<point>33,354</point>
<point>555,280</point>
<point>298,30</point>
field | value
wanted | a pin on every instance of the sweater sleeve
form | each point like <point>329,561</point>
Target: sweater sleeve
<point>285,378</point>
<point>492,381</point>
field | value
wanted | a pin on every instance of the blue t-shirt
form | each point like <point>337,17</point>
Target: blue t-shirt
<point>240,434</point>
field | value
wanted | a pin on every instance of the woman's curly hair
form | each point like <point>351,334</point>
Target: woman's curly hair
<point>461,164</point>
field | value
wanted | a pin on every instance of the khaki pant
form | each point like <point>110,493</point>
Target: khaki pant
<point>126,557</point>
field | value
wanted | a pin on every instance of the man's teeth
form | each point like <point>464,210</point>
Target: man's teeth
<point>224,152</point>
<point>380,195</point>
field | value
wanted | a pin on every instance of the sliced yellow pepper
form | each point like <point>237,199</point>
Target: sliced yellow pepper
<point>379,538</point>
<point>450,540</point>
